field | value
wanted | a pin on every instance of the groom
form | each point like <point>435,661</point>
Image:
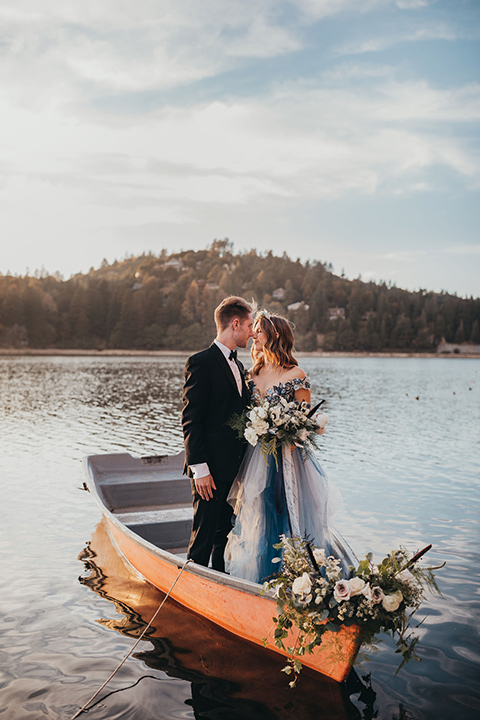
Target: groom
<point>214,390</point>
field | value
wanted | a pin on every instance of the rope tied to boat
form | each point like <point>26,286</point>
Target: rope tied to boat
<point>141,636</point>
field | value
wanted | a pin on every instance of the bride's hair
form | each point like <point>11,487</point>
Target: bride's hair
<point>278,349</point>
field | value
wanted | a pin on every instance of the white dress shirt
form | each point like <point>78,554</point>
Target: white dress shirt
<point>202,470</point>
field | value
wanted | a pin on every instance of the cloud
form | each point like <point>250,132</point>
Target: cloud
<point>462,250</point>
<point>156,112</point>
<point>62,50</point>
<point>318,9</point>
<point>381,43</point>
<point>405,101</point>
<point>298,142</point>
<point>412,4</point>
<point>414,188</point>
<point>347,71</point>
<point>136,46</point>
<point>404,256</point>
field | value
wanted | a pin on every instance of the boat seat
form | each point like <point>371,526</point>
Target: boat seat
<point>167,528</point>
<point>147,493</point>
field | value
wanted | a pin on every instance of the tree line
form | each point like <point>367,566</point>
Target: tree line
<point>166,301</point>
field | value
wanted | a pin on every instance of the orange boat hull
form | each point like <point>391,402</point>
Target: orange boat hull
<point>247,615</point>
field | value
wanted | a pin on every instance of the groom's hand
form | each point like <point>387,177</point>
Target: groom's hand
<point>205,487</point>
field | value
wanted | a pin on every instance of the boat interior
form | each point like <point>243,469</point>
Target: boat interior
<point>151,496</point>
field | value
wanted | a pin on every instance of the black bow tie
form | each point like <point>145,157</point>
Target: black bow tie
<point>233,355</point>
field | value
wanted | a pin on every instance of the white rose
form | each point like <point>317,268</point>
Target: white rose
<point>341,591</point>
<point>374,594</point>
<point>390,603</point>
<point>302,585</point>
<point>251,436</point>
<point>262,413</point>
<point>260,426</point>
<point>406,578</point>
<point>357,586</point>
<point>302,435</point>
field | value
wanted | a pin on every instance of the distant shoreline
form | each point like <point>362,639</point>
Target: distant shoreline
<point>52,352</point>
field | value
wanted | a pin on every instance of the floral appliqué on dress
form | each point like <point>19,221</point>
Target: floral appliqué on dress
<point>285,390</point>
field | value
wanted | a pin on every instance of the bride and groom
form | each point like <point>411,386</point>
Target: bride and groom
<point>233,484</point>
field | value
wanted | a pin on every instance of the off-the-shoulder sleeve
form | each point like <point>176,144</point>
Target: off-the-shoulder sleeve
<point>301,383</point>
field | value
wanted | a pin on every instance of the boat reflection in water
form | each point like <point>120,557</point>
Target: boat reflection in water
<point>230,677</point>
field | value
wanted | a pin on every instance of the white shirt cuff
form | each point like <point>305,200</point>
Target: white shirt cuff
<point>200,471</point>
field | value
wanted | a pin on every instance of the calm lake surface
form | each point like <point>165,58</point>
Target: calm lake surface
<point>402,446</point>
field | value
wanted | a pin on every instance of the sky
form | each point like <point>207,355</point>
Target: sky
<point>342,131</point>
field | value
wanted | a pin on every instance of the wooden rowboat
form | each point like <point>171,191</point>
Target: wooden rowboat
<point>146,503</point>
<point>224,671</point>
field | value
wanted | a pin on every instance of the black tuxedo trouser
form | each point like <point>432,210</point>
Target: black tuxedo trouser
<point>212,522</point>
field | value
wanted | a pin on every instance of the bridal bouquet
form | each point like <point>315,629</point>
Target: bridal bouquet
<point>313,596</point>
<point>280,423</point>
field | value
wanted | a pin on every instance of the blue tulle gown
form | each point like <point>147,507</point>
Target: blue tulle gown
<point>261,510</point>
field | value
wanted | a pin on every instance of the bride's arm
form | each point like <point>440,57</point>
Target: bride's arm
<point>303,394</point>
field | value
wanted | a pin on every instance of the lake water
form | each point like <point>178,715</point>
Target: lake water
<point>402,445</point>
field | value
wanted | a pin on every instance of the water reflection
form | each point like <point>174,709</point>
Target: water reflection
<point>408,470</point>
<point>229,678</point>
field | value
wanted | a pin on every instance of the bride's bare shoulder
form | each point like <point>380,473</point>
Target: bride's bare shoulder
<point>296,372</point>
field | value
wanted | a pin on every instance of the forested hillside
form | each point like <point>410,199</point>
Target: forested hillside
<point>167,302</point>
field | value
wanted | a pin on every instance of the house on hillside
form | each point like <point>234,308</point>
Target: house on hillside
<point>445,348</point>
<point>279,294</point>
<point>336,313</point>
<point>295,307</point>
<point>176,263</point>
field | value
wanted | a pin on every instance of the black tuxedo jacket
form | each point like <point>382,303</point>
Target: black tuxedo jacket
<point>210,398</point>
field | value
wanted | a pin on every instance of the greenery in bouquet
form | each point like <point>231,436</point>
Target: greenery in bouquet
<point>313,596</point>
<point>273,424</point>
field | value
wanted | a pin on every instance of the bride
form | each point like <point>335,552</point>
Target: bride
<point>265,508</point>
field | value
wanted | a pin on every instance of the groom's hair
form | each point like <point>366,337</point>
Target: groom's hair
<point>231,307</point>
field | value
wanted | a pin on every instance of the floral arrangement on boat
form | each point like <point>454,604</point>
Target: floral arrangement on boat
<point>275,424</point>
<point>313,597</point>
